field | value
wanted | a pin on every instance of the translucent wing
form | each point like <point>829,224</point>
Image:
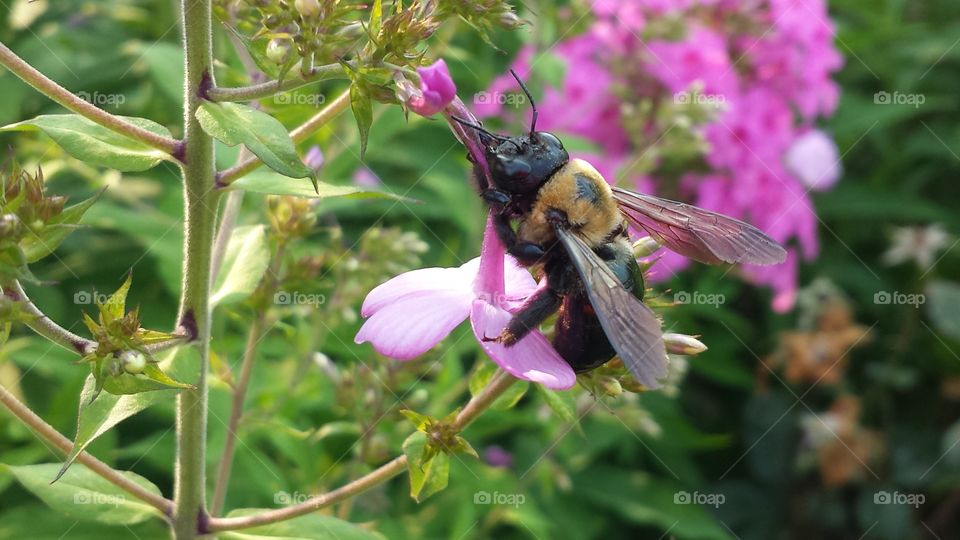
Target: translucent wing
<point>697,233</point>
<point>630,325</point>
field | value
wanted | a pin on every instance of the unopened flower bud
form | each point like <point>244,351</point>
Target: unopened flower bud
<point>307,8</point>
<point>510,21</point>
<point>278,50</point>
<point>609,386</point>
<point>133,362</point>
<point>645,247</point>
<point>683,344</point>
<point>9,225</point>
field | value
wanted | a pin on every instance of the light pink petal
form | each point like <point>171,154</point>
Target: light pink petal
<point>519,283</point>
<point>423,280</point>
<point>531,359</point>
<point>412,325</point>
<point>489,280</point>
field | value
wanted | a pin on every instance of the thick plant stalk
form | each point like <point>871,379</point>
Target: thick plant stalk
<point>73,102</point>
<point>200,202</point>
<point>481,402</point>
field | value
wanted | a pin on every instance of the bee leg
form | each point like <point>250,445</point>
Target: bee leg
<point>527,253</point>
<point>497,199</point>
<point>535,310</point>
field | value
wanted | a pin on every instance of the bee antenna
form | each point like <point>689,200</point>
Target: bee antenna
<point>533,105</point>
<point>479,128</point>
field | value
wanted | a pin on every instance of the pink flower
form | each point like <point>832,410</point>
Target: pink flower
<point>412,312</point>
<point>314,158</point>
<point>813,158</point>
<point>436,90</point>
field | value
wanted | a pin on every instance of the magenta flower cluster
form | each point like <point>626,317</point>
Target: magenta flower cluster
<point>766,63</point>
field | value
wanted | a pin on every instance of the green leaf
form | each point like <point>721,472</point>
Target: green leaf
<point>942,300</point>
<point>561,403</point>
<point>363,112</point>
<point>376,18</point>
<point>36,247</point>
<point>420,421</point>
<point>482,373</point>
<point>244,263</point>
<point>427,476</point>
<point>96,416</point>
<point>262,134</point>
<point>308,527</point>
<point>511,396</point>
<point>115,306</point>
<point>93,143</point>
<point>271,183</point>
<point>82,494</point>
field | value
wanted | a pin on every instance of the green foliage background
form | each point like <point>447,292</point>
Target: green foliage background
<point>618,472</point>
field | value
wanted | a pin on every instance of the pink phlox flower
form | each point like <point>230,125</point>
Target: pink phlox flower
<point>413,312</point>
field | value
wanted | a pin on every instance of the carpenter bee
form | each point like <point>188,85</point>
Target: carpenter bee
<point>574,225</point>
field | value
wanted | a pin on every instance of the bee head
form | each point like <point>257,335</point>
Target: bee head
<point>520,165</point>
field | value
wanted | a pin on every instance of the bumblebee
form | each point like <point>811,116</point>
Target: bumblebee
<point>571,223</point>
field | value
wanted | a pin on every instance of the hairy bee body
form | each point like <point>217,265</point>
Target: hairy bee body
<point>579,191</point>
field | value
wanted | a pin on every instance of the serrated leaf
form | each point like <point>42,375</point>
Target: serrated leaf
<point>83,494</point>
<point>96,416</point>
<point>362,109</point>
<point>271,183</point>
<point>36,247</point>
<point>308,527</point>
<point>244,264</point>
<point>262,134</point>
<point>427,476</point>
<point>93,143</point>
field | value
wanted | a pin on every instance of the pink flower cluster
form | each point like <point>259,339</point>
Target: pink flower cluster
<point>768,63</point>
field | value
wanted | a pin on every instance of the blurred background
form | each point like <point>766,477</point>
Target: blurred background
<point>827,405</point>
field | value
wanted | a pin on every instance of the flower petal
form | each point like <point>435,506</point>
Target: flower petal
<point>531,359</point>
<point>412,325</point>
<point>422,280</point>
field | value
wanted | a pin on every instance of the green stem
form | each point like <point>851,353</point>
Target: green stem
<point>200,202</point>
<point>497,386</point>
<point>269,88</point>
<point>54,437</point>
<point>71,101</point>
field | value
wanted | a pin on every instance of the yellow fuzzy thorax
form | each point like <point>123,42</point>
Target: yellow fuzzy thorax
<point>581,192</point>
